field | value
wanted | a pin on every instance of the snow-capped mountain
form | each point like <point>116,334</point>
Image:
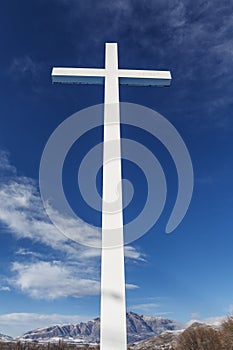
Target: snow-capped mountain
<point>139,327</point>
<point>5,338</point>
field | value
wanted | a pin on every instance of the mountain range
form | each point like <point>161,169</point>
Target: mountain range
<point>139,327</point>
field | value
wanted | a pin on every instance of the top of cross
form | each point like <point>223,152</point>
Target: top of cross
<point>97,75</point>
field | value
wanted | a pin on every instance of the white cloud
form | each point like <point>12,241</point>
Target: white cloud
<point>25,252</point>
<point>131,286</point>
<point>22,213</point>
<point>5,167</point>
<point>51,280</point>
<point>146,308</point>
<point>212,321</point>
<point>5,289</point>
<point>151,306</point>
<point>201,33</point>
<point>132,253</point>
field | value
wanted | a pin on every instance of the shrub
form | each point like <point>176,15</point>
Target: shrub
<point>226,332</point>
<point>199,337</point>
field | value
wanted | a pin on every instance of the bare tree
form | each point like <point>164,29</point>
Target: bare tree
<point>199,337</point>
<point>226,332</point>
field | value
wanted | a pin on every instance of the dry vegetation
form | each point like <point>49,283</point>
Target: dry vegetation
<point>203,337</point>
<point>50,346</point>
<point>199,337</point>
<point>226,332</point>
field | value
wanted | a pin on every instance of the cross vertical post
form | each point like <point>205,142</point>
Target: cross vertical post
<point>113,308</point>
<point>113,335</point>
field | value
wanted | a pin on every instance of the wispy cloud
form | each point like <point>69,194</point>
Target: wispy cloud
<point>132,253</point>
<point>151,309</point>
<point>6,168</point>
<point>214,321</point>
<point>170,28</point>
<point>193,41</point>
<point>29,71</point>
<point>152,306</point>
<point>5,289</point>
<point>26,252</point>
<point>145,308</point>
<point>131,286</point>
<point>51,280</point>
<point>23,215</point>
<point>24,66</point>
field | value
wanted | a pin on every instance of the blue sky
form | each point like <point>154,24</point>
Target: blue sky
<point>46,279</point>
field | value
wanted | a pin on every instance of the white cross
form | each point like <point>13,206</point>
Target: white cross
<point>113,334</point>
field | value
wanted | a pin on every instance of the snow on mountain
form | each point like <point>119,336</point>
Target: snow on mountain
<point>5,338</point>
<point>139,327</point>
<point>79,333</point>
<point>159,324</point>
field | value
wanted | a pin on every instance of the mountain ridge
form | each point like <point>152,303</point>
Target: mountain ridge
<point>139,327</point>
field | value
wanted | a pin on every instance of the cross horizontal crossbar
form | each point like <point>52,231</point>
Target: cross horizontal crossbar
<point>96,76</point>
